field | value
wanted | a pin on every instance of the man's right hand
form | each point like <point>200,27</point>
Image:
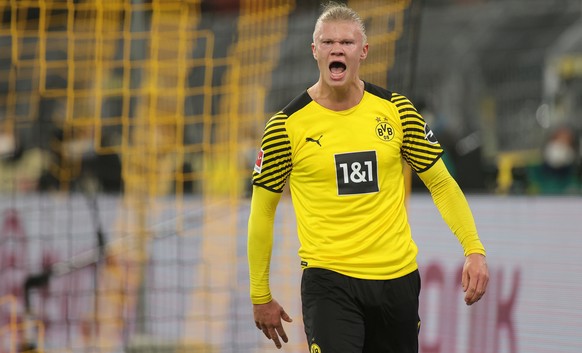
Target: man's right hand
<point>268,319</point>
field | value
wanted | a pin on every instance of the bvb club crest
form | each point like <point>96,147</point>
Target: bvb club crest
<point>384,131</point>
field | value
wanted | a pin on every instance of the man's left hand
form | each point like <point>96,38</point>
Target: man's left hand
<point>474,278</point>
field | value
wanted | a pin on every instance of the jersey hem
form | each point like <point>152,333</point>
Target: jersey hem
<point>397,274</point>
<point>267,188</point>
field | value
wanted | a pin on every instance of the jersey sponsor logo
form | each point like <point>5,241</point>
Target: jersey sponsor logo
<point>384,131</point>
<point>314,348</point>
<point>259,161</point>
<point>429,135</point>
<point>309,139</point>
<point>356,173</point>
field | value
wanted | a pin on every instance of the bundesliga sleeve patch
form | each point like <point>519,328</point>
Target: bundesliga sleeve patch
<point>259,161</point>
<point>356,173</point>
<point>429,135</point>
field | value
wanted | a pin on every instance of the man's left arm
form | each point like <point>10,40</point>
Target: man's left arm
<point>453,207</point>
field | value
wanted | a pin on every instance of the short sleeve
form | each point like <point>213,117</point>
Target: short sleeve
<point>273,164</point>
<point>420,147</point>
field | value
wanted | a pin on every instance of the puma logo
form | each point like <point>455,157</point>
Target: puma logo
<point>309,139</point>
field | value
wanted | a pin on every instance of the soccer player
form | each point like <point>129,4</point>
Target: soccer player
<point>340,144</point>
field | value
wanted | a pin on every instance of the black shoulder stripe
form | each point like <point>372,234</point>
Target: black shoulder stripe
<point>377,91</point>
<point>299,102</point>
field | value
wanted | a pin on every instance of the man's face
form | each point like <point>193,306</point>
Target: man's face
<point>339,50</point>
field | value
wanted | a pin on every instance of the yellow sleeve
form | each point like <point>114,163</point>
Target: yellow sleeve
<point>453,206</point>
<point>260,242</point>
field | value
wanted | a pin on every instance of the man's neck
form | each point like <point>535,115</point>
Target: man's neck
<point>337,98</point>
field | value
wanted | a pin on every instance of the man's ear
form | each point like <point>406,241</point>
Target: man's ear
<point>364,53</point>
<point>313,51</point>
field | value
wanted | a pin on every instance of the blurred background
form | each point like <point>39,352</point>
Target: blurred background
<point>128,132</point>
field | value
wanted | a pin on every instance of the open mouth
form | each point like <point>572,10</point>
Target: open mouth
<point>337,67</point>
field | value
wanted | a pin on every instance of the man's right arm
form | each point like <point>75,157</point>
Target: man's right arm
<point>266,311</point>
<point>260,242</point>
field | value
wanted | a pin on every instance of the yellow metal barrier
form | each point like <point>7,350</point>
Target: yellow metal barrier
<point>507,161</point>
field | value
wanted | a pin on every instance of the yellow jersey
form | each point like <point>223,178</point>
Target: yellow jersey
<point>346,179</point>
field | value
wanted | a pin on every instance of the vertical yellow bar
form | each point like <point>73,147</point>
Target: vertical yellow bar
<point>98,85</point>
<point>12,325</point>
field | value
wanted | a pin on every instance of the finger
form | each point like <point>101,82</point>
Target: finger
<point>465,280</point>
<point>266,332</point>
<point>481,287</point>
<point>286,317</point>
<point>275,337</point>
<point>281,332</point>
<point>470,295</point>
<point>476,290</point>
<point>470,288</point>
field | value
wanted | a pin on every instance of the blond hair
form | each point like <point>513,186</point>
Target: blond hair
<point>333,11</point>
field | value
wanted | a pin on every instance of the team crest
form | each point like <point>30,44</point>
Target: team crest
<point>314,348</point>
<point>384,131</point>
